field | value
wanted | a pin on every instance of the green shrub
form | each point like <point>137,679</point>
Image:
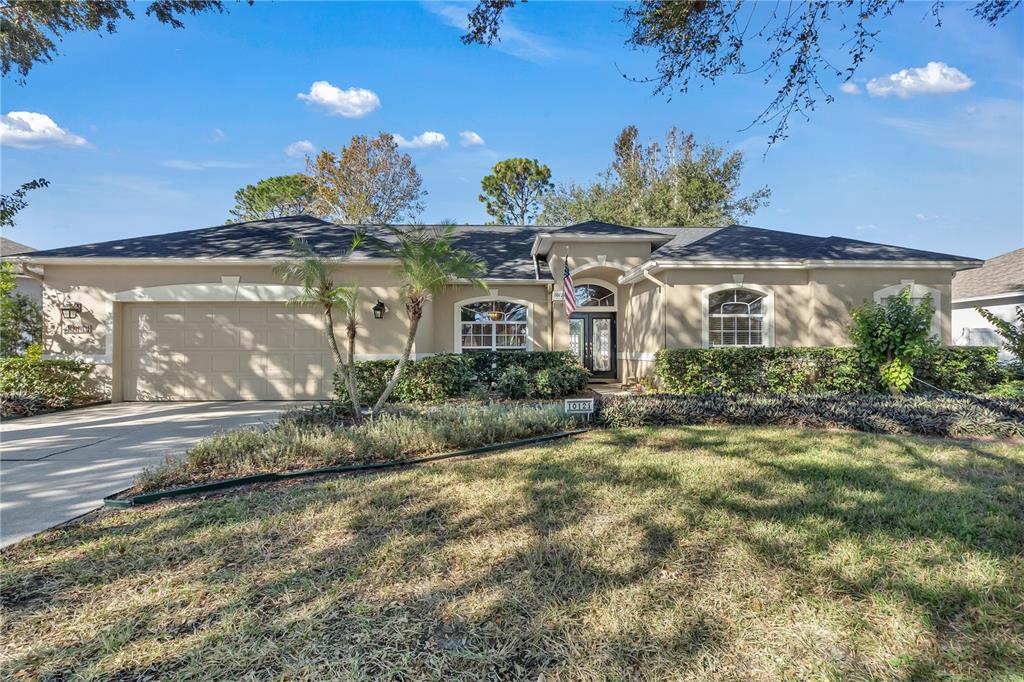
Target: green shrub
<point>802,371</point>
<point>970,369</point>
<point>958,417</point>
<point>763,370</point>
<point>1008,388</point>
<point>513,383</point>
<point>490,365</point>
<point>557,382</point>
<point>891,336</point>
<point>432,379</point>
<point>307,438</point>
<point>435,378</point>
<point>55,383</point>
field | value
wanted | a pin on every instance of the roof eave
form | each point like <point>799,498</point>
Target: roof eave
<point>653,266</point>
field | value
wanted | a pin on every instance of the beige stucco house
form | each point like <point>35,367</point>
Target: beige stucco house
<point>199,315</point>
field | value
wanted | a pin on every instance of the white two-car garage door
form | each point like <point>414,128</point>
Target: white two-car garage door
<point>224,351</point>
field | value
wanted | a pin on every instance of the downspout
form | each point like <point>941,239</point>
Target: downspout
<point>664,306</point>
<point>551,316</point>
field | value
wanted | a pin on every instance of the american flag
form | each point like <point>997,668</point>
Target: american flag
<point>570,293</point>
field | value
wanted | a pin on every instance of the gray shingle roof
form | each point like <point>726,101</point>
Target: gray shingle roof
<point>1000,275</point>
<point>504,248</point>
<point>9,247</point>
<point>741,242</point>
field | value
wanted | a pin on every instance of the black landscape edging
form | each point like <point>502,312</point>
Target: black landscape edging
<point>146,498</point>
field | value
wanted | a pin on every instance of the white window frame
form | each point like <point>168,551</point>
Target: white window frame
<point>916,291</point>
<point>483,299</point>
<point>767,313</point>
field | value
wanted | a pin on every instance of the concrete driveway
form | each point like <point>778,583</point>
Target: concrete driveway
<point>57,466</point>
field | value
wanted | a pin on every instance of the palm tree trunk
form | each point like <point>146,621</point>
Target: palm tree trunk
<point>332,340</point>
<point>415,313</point>
<point>353,387</point>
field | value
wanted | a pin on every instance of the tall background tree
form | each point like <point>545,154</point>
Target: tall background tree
<point>791,46</point>
<point>11,204</point>
<point>513,192</point>
<point>275,197</point>
<point>31,29</point>
<point>676,182</point>
<point>367,182</point>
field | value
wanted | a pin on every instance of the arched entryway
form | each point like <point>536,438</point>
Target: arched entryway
<point>593,333</point>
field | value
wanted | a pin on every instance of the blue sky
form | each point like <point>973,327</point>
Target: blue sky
<point>156,128</point>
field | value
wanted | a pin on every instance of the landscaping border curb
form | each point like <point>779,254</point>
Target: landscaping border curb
<point>147,498</point>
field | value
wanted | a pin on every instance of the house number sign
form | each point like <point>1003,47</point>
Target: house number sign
<point>579,406</point>
<point>78,329</point>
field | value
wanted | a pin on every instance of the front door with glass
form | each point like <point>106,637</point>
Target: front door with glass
<point>592,339</point>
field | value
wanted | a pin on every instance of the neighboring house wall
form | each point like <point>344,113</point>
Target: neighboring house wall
<point>971,329</point>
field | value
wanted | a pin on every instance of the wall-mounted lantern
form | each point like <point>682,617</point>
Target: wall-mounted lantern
<point>70,311</point>
<point>379,309</point>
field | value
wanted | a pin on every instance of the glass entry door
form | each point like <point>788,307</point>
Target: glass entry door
<point>592,339</point>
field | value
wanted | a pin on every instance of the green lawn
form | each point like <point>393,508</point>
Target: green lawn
<point>682,553</point>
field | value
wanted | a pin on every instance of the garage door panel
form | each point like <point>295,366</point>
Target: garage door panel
<point>308,340</point>
<point>243,351</point>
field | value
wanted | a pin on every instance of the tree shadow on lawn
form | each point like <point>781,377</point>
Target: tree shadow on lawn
<point>600,558</point>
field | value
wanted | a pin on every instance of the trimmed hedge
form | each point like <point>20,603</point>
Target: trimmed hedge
<point>439,377</point>
<point>490,365</point>
<point>796,371</point>
<point>432,379</point>
<point>925,415</point>
<point>28,385</point>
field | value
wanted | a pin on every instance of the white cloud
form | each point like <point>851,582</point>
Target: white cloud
<point>219,135</point>
<point>850,88</point>
<point>351,103</point>
<point>937,78</point>
<point>991,128</point>
<point>428,138</point>
<point>182,164</point>
<point>470,139</point>
<point>921,217</point>
<point>27,129</point>
<point>300,148</point>
<point>862,229</point>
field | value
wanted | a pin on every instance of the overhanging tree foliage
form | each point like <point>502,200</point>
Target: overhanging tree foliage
<point>11,204</point>
<point>31,29</point>
<point>676,182</point>
<point>791,46</point>
<point>513,192</point>
<point>274,197</point>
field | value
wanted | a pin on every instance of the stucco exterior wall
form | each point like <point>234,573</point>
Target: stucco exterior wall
<point>836,290</point>
<point>810,306</point>
<point>971,329</point>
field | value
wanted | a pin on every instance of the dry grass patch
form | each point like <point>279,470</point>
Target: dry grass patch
<point>683,553</point>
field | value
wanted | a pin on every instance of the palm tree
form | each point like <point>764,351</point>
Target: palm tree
<point>313,273</point>
<point>427,264</point>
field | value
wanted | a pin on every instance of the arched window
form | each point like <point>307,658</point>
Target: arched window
<point>918,292</point>
<point>594,295</point>
<point>736,317</point>
<point>493,325</point>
